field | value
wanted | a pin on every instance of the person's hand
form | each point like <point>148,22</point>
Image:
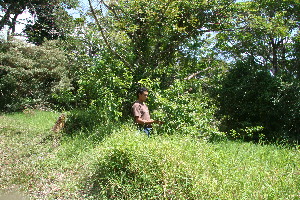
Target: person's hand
<point>159,122</point>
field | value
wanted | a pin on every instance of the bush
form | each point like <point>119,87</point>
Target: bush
<point>186,109</point>
<point>132,172</point>
<point>29,75</point>
<point>255,105</point>
<point>104,88</point>
<point>288,104</point>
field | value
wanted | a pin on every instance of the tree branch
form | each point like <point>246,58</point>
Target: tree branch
<point>101,29</point>
<point>192,75</point>
<point>111,9</point>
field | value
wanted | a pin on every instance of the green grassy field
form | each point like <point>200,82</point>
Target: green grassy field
<point>118,163</point>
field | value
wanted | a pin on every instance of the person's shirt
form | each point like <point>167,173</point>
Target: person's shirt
<point>140,110</point>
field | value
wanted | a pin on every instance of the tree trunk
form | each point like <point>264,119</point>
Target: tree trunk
<point>4,19</point>
<point>274,60</point>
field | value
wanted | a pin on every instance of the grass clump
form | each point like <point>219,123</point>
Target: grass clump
<point>116,162</point>
<point>177,167</point>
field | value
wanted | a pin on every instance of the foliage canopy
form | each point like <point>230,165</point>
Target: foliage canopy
<point>237,61</point>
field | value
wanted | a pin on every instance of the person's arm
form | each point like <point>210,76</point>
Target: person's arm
<point>145,122</point>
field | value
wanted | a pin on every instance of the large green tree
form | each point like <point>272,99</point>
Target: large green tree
<point>11,10</point>
<point>53,21</point>
<point>260,94</point>
<point>150,37</point>
<point>263,30</point>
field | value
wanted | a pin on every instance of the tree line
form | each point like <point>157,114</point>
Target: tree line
<point>214,68</point>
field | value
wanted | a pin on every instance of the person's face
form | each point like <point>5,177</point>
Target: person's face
<point>144,96</point>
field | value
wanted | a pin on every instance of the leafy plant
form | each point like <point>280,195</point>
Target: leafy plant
<point>186,109</point>
<point>29,75</point>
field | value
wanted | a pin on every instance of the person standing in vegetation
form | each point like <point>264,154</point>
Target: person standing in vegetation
<point>141,113</point>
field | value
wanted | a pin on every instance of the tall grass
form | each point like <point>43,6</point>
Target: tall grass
<point>120,163</point>
<point>131,167</point>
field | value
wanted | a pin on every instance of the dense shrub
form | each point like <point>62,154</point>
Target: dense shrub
<point>288,103</point>
<point>126,174</point>
<point>104,88</point>
<point>29,75</point>
<point>186,109</point>
<point>254,104</point>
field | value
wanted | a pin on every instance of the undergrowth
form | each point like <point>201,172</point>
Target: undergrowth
<point>121,163</point>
